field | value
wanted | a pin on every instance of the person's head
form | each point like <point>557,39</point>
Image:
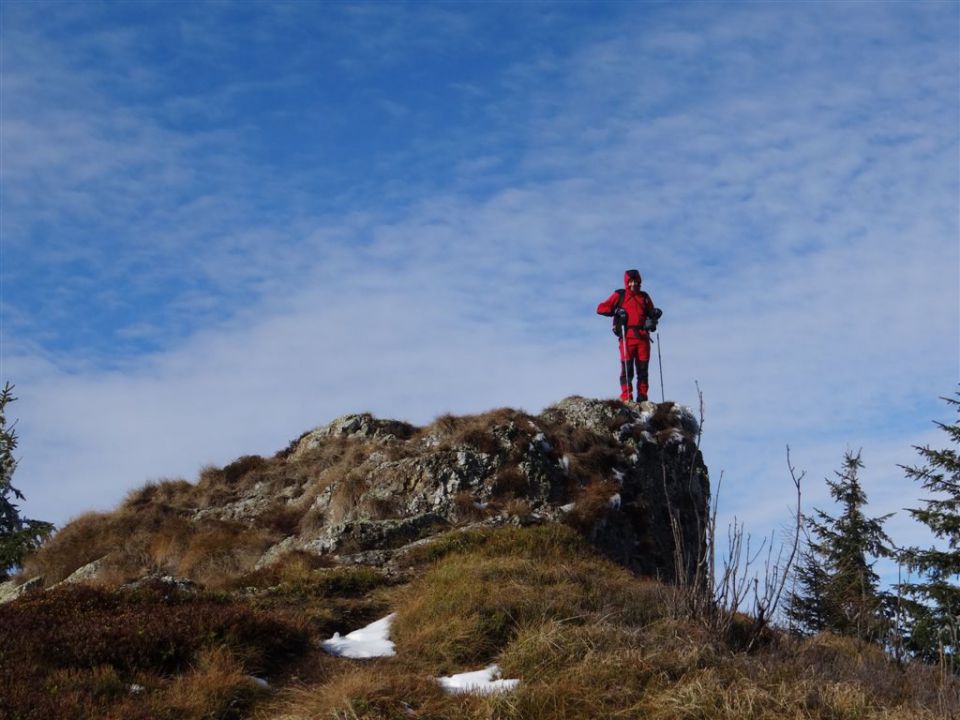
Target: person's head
<point>632,280</point>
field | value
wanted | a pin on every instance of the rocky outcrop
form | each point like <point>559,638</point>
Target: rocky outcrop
<point>631,478</point>
<point>11,590</point>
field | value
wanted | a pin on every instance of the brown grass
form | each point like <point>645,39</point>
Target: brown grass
<point>477,431</point>
<point>155,539</point>
<point>215,555</point>
<point>469,606</point>
<point>510,482</point>
<point>217,687</point>
<point>585,638</point>
<point>592,503</point>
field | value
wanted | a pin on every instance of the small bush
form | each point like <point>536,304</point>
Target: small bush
<point>68,651</point>
<point>217,687</point>
<point>592,503</point>
<point>84,539</point>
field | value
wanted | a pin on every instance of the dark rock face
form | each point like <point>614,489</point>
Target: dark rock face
<point>631,478</point>
<point>664,488</point>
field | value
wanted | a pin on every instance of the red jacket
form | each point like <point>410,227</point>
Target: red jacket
<point>638,306</point>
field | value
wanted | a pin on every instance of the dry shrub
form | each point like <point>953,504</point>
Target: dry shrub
<point>518,508</point>
<point>281,518</point>
<point>477,431</point>
<point>167,545</point>
<point>297,563</point>
<point>84,539</point>
<point>510,482</point>
<point>176,494</point>
<point>592,503</point>
<point>336,453</point>
<point>241,467</point>
<point>312,522</point>
<point>218,486</point>
<point>220,551</point>
<point>217,687</point>
<point>466,508</point>
<point>72,652</point>
<point>338,462</point>
<point>148,537</point>
<point>378,507</point>
<point>381,690</point>
<point>346,496</point>
<point>567,439</point>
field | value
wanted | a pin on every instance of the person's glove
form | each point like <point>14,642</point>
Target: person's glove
<point>620,314</point>
<point>650,322</point>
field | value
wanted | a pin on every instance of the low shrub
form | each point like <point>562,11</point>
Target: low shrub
<point>71,651</point>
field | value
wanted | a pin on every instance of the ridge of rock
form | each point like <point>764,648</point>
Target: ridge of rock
<point>616,472</point>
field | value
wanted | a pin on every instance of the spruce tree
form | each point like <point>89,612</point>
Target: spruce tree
<point>836,586</point>
<point>936,611</point>
<point>17,535</point>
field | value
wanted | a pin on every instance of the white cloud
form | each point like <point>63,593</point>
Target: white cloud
<point>795,217</point>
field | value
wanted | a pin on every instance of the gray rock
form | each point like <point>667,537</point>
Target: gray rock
<point>84,574</point>
<point>10,590</point>
<point>409,484</point>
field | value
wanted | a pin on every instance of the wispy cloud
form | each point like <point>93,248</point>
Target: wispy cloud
<point>182,286</point>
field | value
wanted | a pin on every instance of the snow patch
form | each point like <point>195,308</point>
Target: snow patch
<point>541,440</point>
<point>479,682</point>
<point>614,501</point>
<point>369,642</point>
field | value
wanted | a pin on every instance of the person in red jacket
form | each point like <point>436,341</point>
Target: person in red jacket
<point>634,316</point>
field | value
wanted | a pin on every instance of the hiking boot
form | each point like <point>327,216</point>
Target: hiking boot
<point>641,398</point>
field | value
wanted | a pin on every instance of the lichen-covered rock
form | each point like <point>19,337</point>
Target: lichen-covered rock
<point>10,590</point>
<point>84,574</point>
<point>631,478</point>
<point>356,425</point>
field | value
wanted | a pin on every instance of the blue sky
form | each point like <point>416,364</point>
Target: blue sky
<point>224,223</point>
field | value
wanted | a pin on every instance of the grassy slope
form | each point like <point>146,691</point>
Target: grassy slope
<point>587,640</point>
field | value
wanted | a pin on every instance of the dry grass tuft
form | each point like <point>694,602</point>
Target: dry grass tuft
<point>216,554</point>
<point>510,482</point>
<point>469,606</point>
<point>489,432</point>
<point>175,494</point>
<point>379,690</point>
<point>84,539</point>
<point>592,503</point>
<point>218,687</point>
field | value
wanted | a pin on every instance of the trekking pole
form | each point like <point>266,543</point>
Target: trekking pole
<point>660,363</point>
<point>623,354</point>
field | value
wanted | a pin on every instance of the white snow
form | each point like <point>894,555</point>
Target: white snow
<point>614,501</point>
<point>369,642</point>
<point>541,440</point>
<point>479,682</point>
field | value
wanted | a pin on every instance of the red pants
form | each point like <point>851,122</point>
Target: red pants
<point>634,359</point>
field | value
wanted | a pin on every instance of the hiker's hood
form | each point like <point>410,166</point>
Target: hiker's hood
<point>630,274</point>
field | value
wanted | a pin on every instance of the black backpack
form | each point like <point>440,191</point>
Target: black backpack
<point>649,323</point>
